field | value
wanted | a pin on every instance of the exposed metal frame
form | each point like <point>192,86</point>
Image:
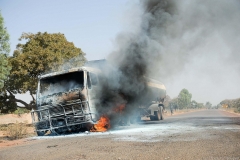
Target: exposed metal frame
<point>45,117</point>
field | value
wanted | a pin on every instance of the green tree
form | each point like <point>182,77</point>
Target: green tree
<point>184,99</point>
<point>4,50</point>
<point>231,103</point>
<point>208,105</point>
<point>42,52</point>
<point>200,105</point>
<point>194,104</point>
<point>174,103</point>
<point>7,103</point>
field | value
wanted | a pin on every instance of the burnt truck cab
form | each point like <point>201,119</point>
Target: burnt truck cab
<point>65,101</point>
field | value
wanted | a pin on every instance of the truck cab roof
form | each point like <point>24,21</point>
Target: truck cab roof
<point>90,69</point>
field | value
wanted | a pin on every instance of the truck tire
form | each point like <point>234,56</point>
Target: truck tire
<point>40,133</point>
<point>161,113</point>
<point>152,118</point>
<point>156,116</point>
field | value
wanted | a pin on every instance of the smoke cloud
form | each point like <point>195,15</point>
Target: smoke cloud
<point>190,44</point>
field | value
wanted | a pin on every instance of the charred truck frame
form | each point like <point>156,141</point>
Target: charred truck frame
<point>64,103</point>
<point>67,101</point>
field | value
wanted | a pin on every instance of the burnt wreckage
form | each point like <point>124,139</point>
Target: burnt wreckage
<point>63,101</point>
<point>67,101</point>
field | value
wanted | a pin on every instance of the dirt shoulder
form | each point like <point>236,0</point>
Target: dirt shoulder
<point>231,110</point>
<point>13,118</point>
<point>15,128</point>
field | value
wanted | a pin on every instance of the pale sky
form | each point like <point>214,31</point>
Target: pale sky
<point>93,25</point>
<point>90,24</point>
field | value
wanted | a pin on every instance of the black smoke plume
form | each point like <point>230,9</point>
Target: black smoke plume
<point>172,35</point>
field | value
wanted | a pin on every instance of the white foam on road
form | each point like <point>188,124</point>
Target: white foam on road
<point>133,133</point>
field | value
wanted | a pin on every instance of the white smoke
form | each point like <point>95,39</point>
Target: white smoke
<point>62,86</point>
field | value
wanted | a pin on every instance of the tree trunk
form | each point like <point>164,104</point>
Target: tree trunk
<point>26,105</point>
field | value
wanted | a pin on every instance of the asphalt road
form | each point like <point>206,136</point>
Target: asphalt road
<point>205,134</point>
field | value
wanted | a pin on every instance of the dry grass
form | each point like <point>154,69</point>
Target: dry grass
<point>13,127</point>
<point>232,110</point>
<point>17,130</point>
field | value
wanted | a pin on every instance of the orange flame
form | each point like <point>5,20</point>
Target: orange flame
<point>102,125</point>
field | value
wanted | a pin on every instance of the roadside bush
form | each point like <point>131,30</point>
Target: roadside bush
<point>232,103</point>
<point>3,127</point>
<point>17,130</point>
<point>20,111</point>
<point>237,110</point>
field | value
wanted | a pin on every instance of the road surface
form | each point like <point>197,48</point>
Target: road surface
<point>205,134</point>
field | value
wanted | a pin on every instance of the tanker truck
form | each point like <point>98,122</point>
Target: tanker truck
<point>154,107</point>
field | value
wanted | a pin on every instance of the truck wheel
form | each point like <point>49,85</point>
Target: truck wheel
<point>40,133</point>
<point>157,115</point>
<point>152,118</point>
<point>161,113</point>
<point>87,126</point>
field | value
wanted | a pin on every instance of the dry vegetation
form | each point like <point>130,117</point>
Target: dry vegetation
<point>232,104</point>
<point>14,127</point>
<point>15,131</point>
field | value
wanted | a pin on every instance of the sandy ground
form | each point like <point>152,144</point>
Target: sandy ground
<point>8,119</point>
<point>13,118</point>
<point>230,110</point>
<point>206,134</point>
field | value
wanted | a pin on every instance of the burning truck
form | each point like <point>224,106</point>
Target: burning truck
<point>67,101</point>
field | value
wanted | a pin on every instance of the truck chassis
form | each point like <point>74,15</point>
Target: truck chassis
<point>61,118</point>
<point>154,111</point>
